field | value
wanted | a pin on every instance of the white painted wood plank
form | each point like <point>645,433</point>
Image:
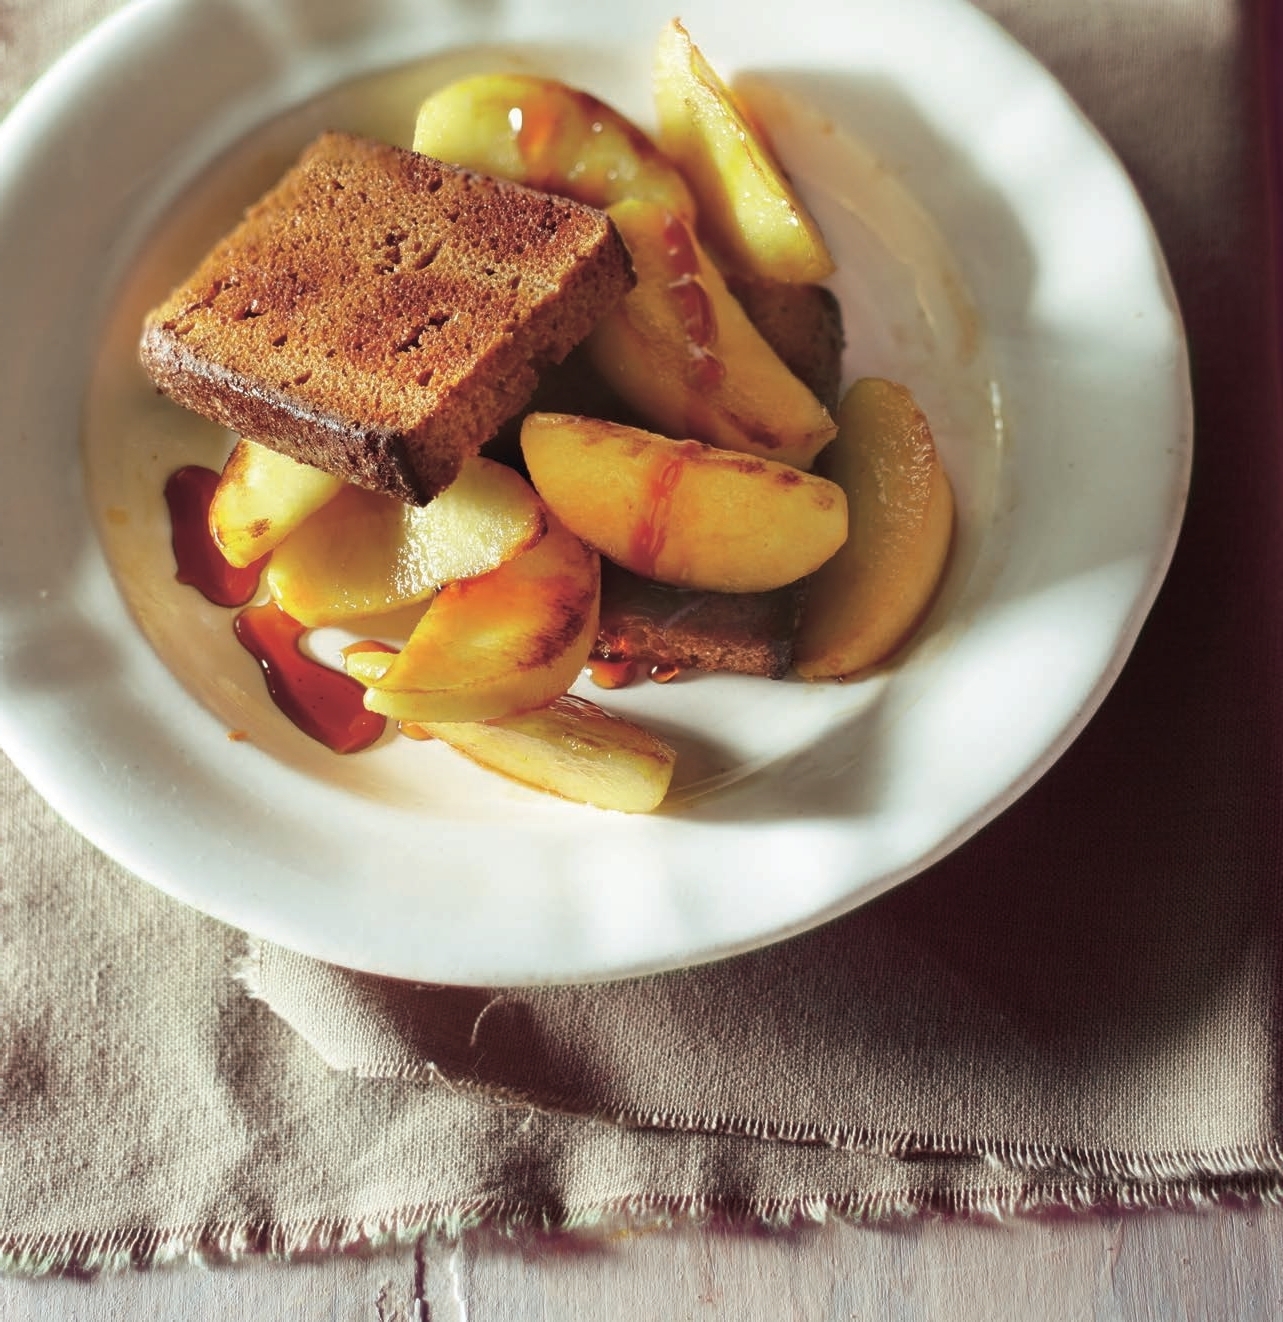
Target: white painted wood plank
<point>1212,1265</point>
<point>342,1289</point>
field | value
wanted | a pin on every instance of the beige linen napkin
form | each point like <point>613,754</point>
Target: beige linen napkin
<point>1078,1008</point>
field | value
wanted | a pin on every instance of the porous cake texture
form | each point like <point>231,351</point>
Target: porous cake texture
<point>380,314</point>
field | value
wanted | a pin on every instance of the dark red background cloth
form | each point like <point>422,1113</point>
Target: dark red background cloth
<point>1181,772</point>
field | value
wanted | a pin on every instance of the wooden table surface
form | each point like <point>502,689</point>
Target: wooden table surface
<point>1210,1263</point>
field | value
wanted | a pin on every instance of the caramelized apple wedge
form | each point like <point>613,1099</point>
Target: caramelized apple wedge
<point>682,512</point>
<point>571,748</point>
<point>680,350</point>
<point>750,212</point>
<point>803,324</point>
<point>366,554</point>
<point>261,497</point>
<point>864,603</point>
<point>542,133</point>
<point>507,642</point>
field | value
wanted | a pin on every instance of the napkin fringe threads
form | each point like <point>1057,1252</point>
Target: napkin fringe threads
<point>226,1243</point>
<point>1091,1166</point>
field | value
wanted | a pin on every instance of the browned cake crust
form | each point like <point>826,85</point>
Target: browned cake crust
<point>748,633</point>
<point>379,314</point>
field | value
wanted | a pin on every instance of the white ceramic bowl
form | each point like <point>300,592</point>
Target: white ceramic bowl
<point>992,256</point>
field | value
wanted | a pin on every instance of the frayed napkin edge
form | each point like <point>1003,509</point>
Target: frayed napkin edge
<point>89,1253</point>
<point>1092,1167</point>
<point>1057,1183</point>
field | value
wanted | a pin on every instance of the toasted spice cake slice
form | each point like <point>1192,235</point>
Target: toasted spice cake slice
<point>379,314</point>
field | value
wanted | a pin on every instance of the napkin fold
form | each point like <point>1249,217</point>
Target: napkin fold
<point>1039,1012</point>
<point>1078,1008</point>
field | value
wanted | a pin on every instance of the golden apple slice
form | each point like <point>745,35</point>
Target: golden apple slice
<point>366,554</point>
<point>751,214</point>
<point>682,512</point>
<point>866,602</point>
<point>542,133</point>
<point>507,642</point>
<point>681,351</point>
<point>261,498</point>
<point>803,324</point>
<point>368,666</point>
<point>571,748</point>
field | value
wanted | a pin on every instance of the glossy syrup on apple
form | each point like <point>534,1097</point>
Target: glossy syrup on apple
<point>704,369</point>
<point>651,529</point>
<point>536,123</point>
